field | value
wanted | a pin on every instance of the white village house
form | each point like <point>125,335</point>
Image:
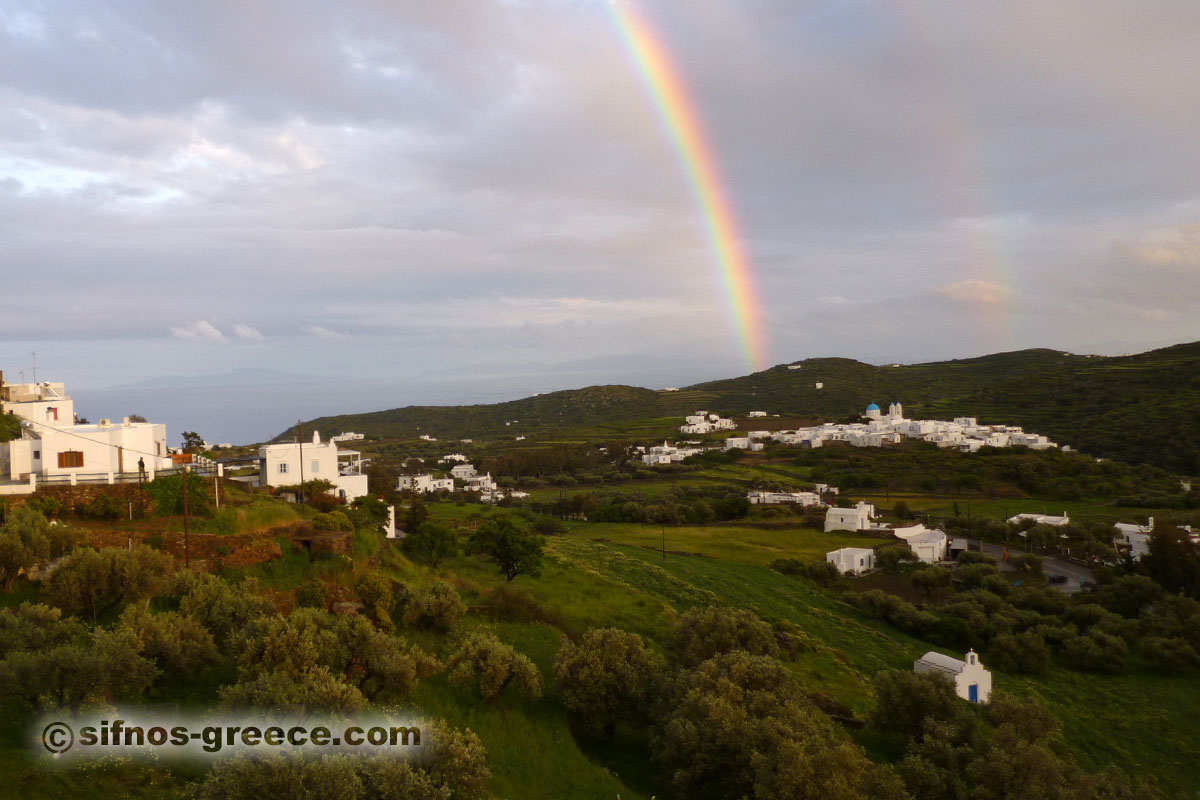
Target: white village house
<point>880,429</point>
<point>779,498</point>
<point>971,681</point>
<point>928,546</point>
<point>850,519</point>
<point>1135,537</point>
<point>1041,519</point>
<point>290,463</point>
<point>52,446</point>
<point>424,483</point>
<point>463,471</point>
<point>852,560</point>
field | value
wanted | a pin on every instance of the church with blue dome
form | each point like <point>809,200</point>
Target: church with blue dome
<point>895,412</point>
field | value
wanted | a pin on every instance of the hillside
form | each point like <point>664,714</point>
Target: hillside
<point>542,413</point>
<point>1142,408</point>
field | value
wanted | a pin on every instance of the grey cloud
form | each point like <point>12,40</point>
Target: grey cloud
<point>433,178</point>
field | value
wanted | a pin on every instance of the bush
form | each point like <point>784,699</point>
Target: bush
<point>104,507</point>
<point>312,594</point>
<point>1024,652</point>
<point>431,543</point>
<point>702,633</point>
<point>438,608</point>
<point>905,700</point>
<point>49,507</point>
<point>1169,654</point>
<point>609,677</point>
<point>1096,652</point>
<point>332,521</point>
<point>509,603</point>
<point>166,492</point>
<point>490,665</point>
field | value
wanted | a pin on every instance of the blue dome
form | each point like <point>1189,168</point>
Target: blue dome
<point>872,407</point>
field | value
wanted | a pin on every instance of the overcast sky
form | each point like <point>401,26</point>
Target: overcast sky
<point>481,195</point>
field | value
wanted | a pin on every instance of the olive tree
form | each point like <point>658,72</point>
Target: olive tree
<point>489,664</point>
<point>701,633</point>
<point>609,677</point>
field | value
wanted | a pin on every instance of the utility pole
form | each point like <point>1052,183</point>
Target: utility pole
<point>300,441</point>
<point>186,551</point>
<point>217,490</point>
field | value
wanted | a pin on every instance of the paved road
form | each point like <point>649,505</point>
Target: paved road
<point>1076,574</point>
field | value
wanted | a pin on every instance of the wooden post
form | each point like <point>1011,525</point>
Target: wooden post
<point>186,553</point>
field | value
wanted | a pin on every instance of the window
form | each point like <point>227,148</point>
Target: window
<point>52,413</point>
<point>316,467</point>
<point>70,459</point>
<point>37,455</point>
<point>282,468</point>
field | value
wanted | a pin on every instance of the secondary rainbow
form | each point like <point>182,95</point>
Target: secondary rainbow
<point>678,115</point>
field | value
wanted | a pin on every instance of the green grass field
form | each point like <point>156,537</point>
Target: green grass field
<point>1138,720</point>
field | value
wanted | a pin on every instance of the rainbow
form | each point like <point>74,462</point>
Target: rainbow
<point>679,116</point>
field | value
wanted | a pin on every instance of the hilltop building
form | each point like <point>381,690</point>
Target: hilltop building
<point>53,447</point>
<point>880,429</point>
<point>971,681</point>
<point>291,463</point>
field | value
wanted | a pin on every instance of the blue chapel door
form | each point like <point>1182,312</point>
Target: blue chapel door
<point>973,692</point>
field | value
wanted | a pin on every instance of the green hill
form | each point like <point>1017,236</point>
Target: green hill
<point>1141,408</point>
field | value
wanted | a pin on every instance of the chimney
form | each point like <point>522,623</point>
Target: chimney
<point>125,421</point>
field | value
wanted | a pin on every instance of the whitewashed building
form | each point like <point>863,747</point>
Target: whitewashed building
<point>1041,519</point>
<point>463,471</point>
<point>480,483</point>
<point>53,446</point>
<point>971,681</point>
<point>757,414</point>
<point>290,463</point>
<point>424,483</point>
<point>850,519</point>
<point>852,560</point>
<point>659,455</point>
<point>1135,537</point>
<point>929,546</point>
<point>779,498</point>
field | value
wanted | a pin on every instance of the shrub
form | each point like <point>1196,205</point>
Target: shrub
<point>491,665</point>
<point>49,507</point>
<point>312,594</point>
<point>1096,652</point>
<point>509,603</point>
<point>1024,652</point>
<point>702,633</point>
<point>431,543</point>
<point>905,700</point>
<point>332,521</point>
<point>438,608</point>
<point>609,677</point>
<point>166,493</point>
<point>102,507</point>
